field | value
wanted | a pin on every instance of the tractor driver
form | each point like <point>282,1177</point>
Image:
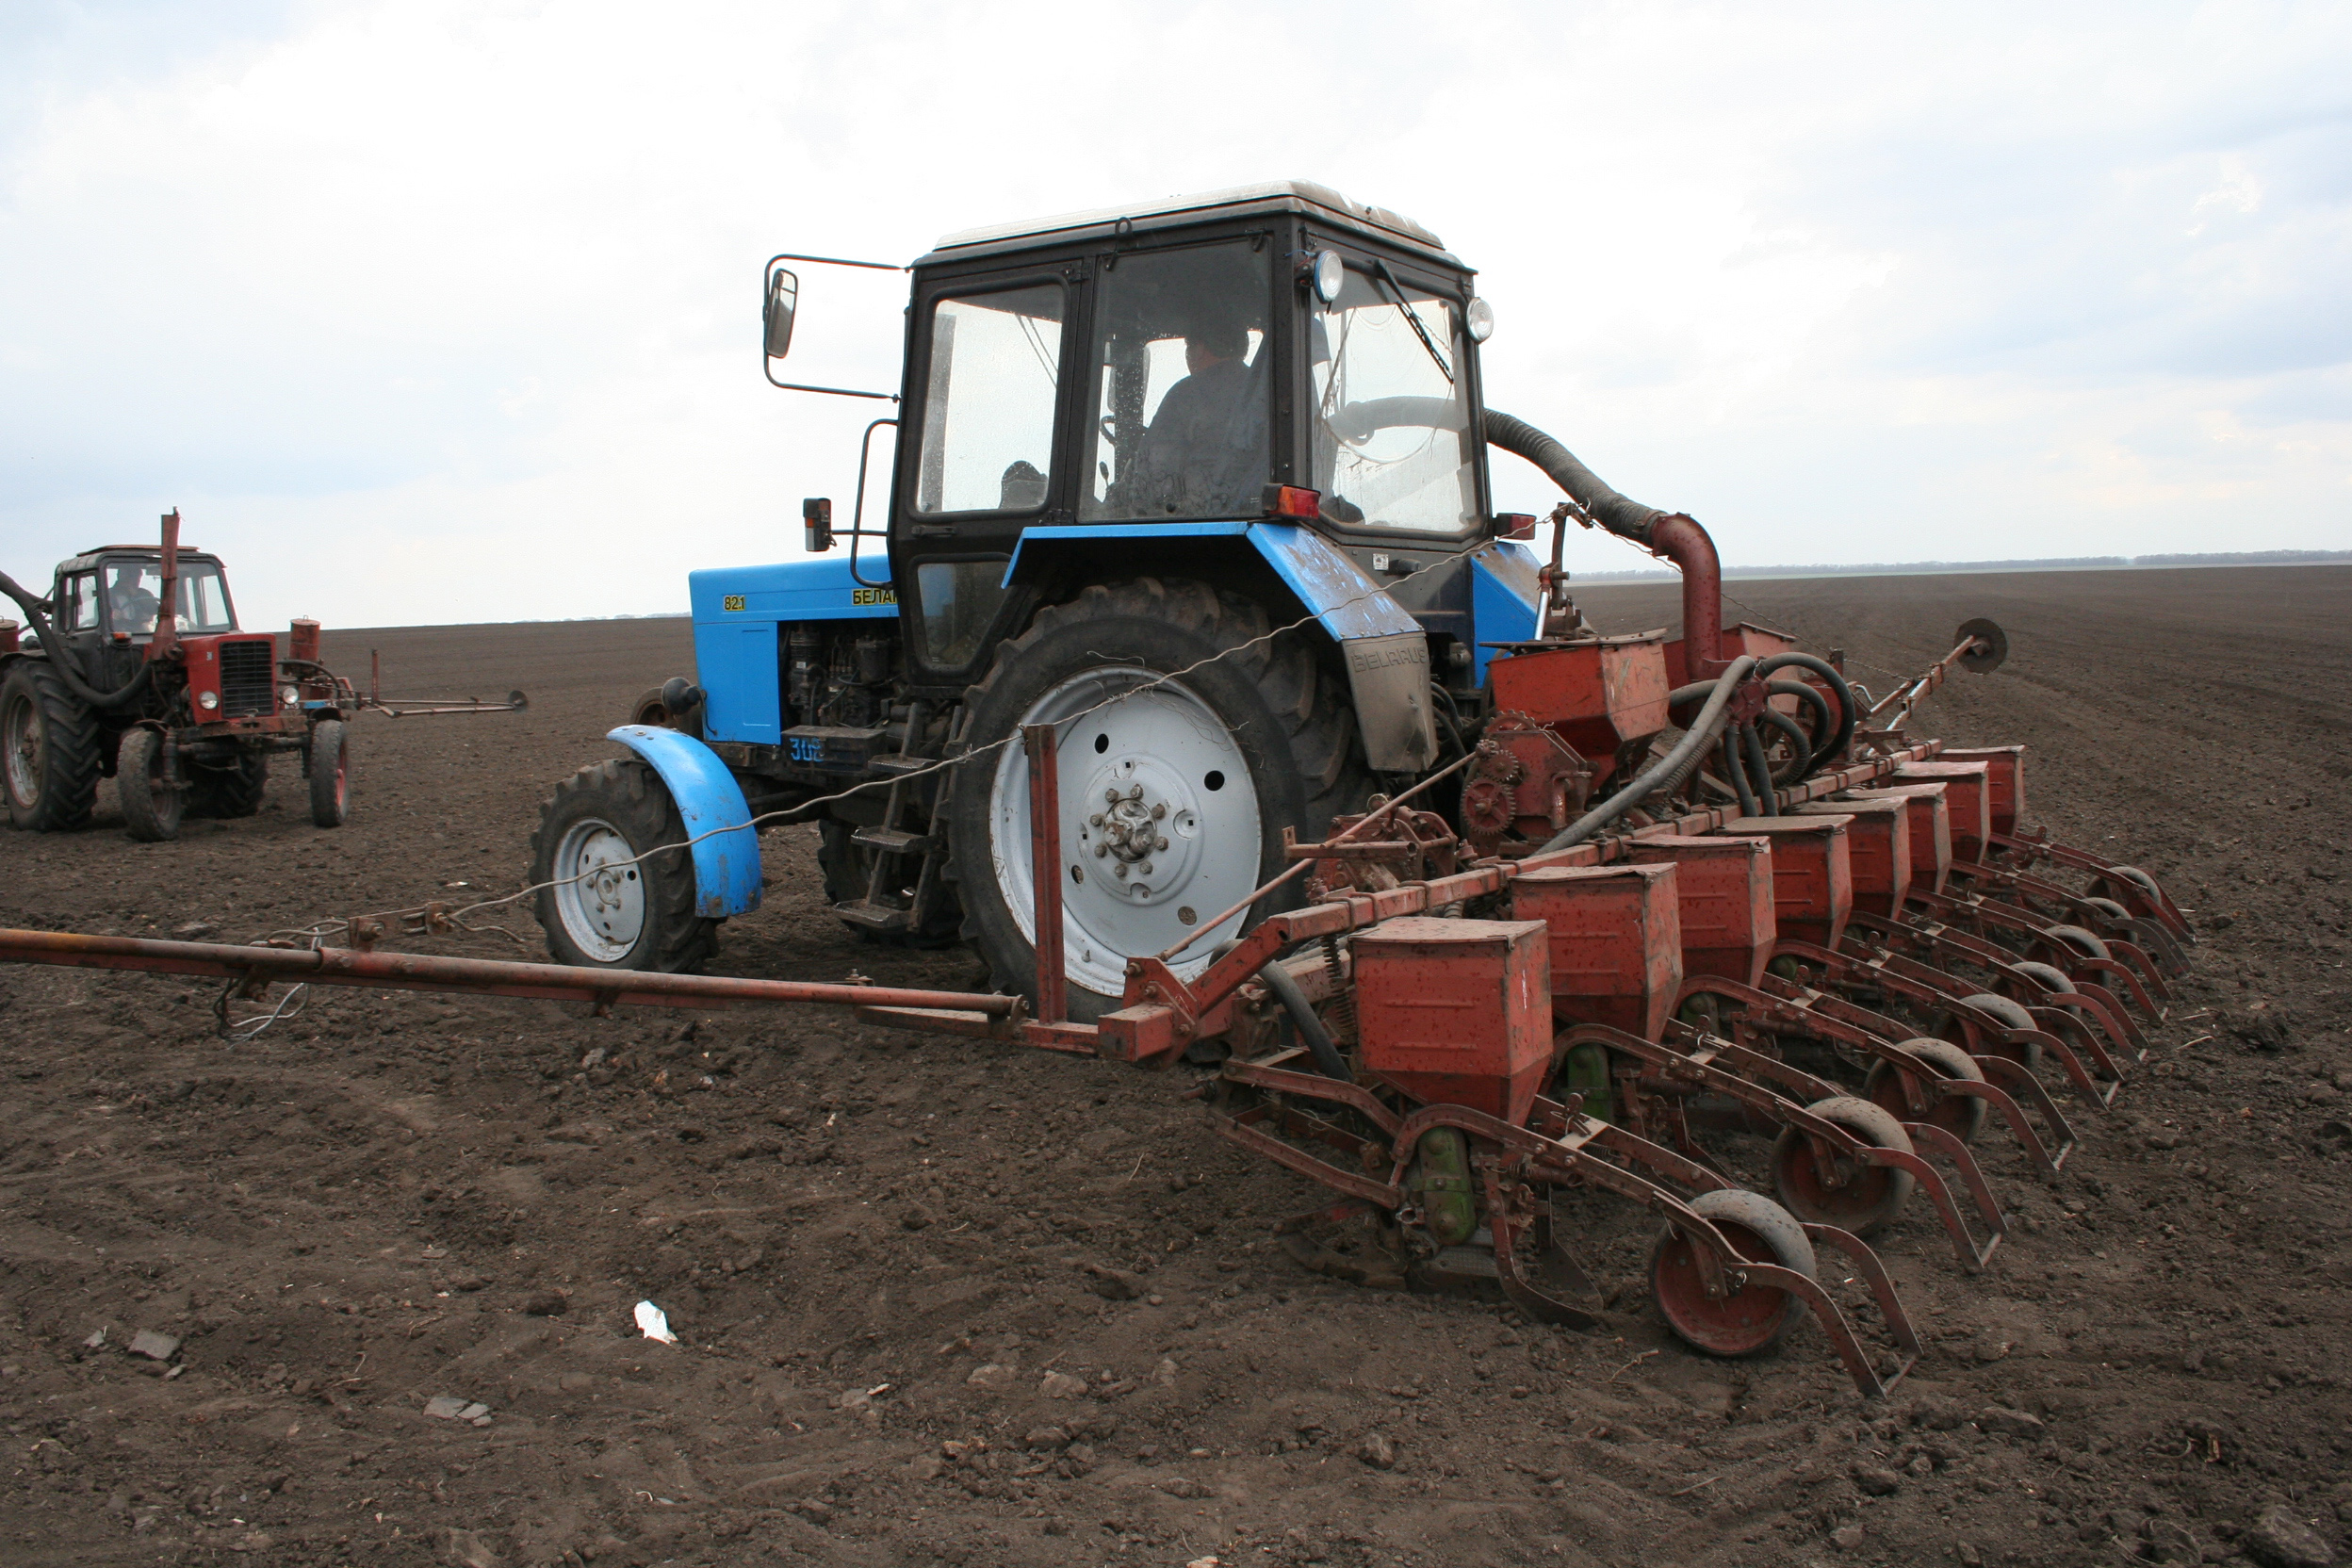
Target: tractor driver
<point>130,605</point>
<point>1206,442</point>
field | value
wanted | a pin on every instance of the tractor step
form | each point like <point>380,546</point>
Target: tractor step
<point>869,916</point>
<point>892,840</point>
<point>894,766</point>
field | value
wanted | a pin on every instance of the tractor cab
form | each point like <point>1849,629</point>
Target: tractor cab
<point>1130,390</point>
<point>113,591</point>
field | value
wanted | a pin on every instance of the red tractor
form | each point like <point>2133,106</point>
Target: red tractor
<point>183,710</point>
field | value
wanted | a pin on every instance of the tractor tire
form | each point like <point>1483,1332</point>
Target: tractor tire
<point>328,760</point>
<point>234,790</point>
<point>1210,766</point>
<point>848,869</point>
<point>605,899</point>
<point>50,750</point>
<point>150,798</point>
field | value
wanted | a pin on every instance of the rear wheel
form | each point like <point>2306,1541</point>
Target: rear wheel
<point>234,789</point>
<point>49,750</point>
<point>1863,1198</point>
<point>1745,1322</point>
<point>329,763</point>
<point>611,902</point>
<point>144,785</point>
<point>1175,788</point>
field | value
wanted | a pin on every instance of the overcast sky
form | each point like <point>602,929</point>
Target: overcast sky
<point>436,312</point>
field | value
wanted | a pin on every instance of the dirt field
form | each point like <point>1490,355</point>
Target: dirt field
<point>873,1246</point>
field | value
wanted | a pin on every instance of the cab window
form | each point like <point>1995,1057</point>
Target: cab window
<point>988,414</point>
<point>79,605</point>
<point>1181,373</point>
<point>961,599</point>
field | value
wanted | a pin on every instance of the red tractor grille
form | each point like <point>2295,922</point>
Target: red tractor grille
<point>248,677</point>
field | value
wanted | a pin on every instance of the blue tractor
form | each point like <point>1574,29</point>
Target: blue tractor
<point>1201,482</point>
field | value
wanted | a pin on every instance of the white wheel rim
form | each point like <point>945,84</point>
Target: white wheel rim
<point>22,743</point>
<point>600,900</point>
<point>1170,745</point>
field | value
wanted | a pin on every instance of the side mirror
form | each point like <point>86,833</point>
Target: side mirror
<point>816,515</point>
<point>775,314</point>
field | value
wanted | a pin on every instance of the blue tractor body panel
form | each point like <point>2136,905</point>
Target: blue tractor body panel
<point>725,846</point>
<point>1504,591</point>
<point>737,612</point>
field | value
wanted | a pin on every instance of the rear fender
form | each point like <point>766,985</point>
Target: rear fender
<point>1387,653</point>
<point>725,846</point>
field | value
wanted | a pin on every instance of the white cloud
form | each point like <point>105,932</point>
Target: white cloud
<point>438,311</point>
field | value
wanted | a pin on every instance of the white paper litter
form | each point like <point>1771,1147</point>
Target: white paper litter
<point>654,1322</point>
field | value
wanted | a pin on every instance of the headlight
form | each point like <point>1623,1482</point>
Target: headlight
<point>1480,319</point>
<point>207,700</point>
<point>288,695</point>
<point>1330,272</point>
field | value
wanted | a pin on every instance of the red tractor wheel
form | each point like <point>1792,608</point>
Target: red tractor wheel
<point>1850,1195</point>
<point>1744,1322</point>
<point>1961,1115</point>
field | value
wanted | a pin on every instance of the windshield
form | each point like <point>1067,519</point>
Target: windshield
<point>131,590</point>
<point>1391,429</point>
<point>1180,428</point>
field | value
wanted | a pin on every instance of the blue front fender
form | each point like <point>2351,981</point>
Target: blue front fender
<point>718,822</point>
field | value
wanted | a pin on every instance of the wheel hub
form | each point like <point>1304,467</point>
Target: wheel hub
<point>602,900</point>
<point>1160,829</point>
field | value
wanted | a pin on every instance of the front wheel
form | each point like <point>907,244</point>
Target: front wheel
<point>615,883</point>
<point>144,785</point>
<point>1189,736</point>
<point>330,768</point>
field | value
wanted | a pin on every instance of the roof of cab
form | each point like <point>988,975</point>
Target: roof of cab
<point>90,557</point>
<point>1273,196</point>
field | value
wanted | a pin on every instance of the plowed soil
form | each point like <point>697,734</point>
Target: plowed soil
<point>951,1301</point>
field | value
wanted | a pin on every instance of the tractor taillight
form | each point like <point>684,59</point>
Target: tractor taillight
<point>1292,500</point>
<point>1515,525</point>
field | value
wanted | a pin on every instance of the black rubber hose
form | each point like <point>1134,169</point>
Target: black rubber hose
<point>1836,682</point>
<point>1824,722</point>
<point>1669,771</point>
<point>1737,771</point>
<point>1620,514</point>
<point>1328,1060</point>
<point>62,657</point>
<point>1795,771</point>
<point>1759,770</point>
